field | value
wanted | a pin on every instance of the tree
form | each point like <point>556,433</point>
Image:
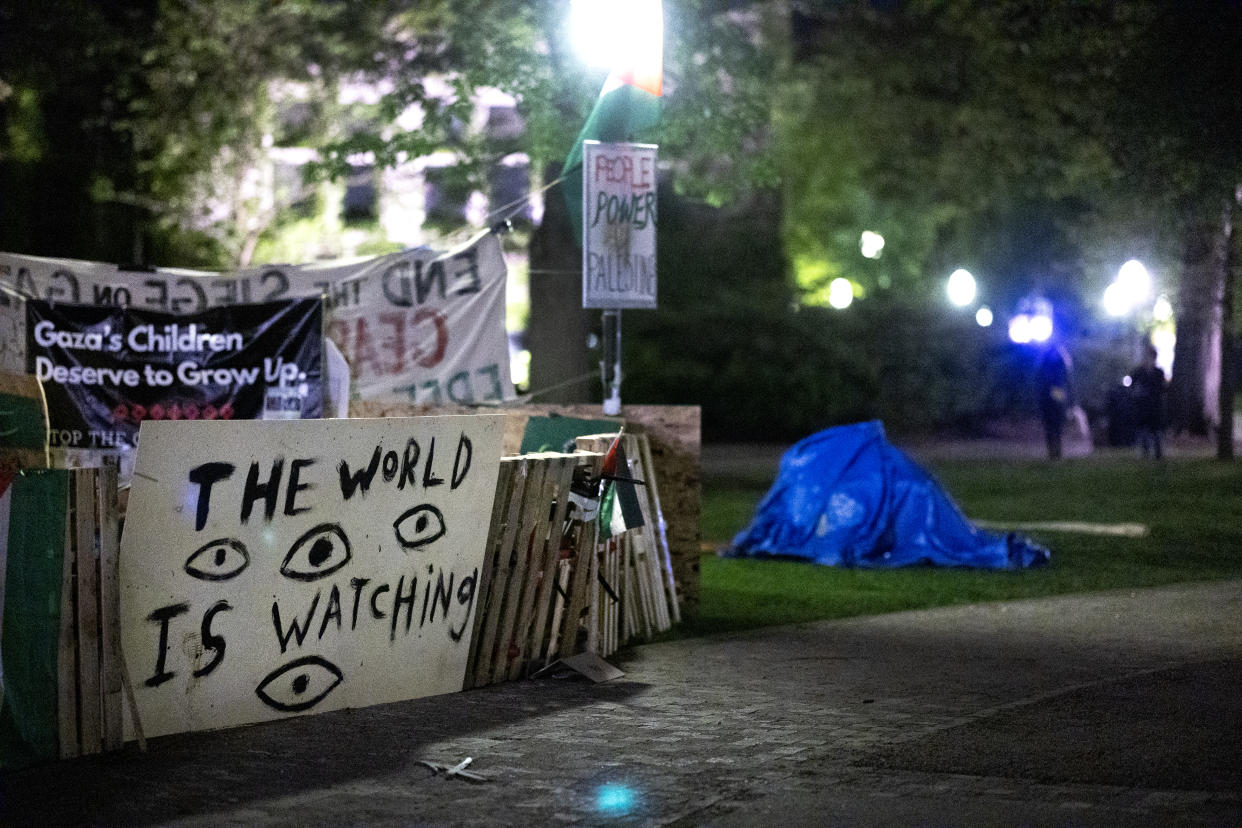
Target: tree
<point>985,120</point>
<point>144,117</point>
<point>1096,126</point>
<point>1179,140</point>
<point>720,63</point>
<point>178,100</point>
<point>63,67</point>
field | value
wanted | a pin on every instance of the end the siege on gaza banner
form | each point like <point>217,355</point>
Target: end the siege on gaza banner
<point>277,568</point>
<point>419,326</point>
<point>105,370</point>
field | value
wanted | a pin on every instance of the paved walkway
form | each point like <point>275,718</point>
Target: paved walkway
<point>1122,708</point>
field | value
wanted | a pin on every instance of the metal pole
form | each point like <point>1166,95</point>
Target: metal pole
<point>611,363</point>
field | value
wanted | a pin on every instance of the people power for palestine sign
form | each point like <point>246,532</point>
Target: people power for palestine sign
<point>618,225</point>
<point>273,568</point>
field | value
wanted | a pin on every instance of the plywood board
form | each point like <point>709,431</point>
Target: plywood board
<point>275,568</point>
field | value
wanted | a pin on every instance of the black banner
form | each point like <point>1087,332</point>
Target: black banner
<point>106,369</point>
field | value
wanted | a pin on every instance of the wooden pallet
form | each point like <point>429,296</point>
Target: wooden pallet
<point>534,584</point>
<point>636,593</point>
<point>90,673</point>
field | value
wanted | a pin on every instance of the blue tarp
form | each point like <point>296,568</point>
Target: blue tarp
<point>847,497</point>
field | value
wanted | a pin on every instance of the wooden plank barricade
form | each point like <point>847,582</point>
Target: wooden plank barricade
<point>549,588</point>
<point>635,593</point>
<point>535,579</point>
<point>90,673</point>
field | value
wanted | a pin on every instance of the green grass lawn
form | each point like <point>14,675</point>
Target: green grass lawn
<point>1193,508</point>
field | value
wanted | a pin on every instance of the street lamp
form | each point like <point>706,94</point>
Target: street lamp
<point>871,244</point>
<point>1135,280</point>
<point>1033,321</point>
<point>627,39</point>
<point>609,34</point>
<point>1130,289</point>
<point>840,293</point>
<point>961,288</point>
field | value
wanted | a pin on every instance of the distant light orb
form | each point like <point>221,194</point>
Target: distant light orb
<point>983,317</point>
<point>1027,328</point>
<point>961,288</point>
<point>1162,311</point>
<point>1020,329</point>
<point>615,799</point>
<point>1164,339</point>
<point>1116,303</point>
<point>1135,280</point>
<point>871,244</point>
<point>1130,289</point>
<point>1041,328</point>
<point>840,293</point>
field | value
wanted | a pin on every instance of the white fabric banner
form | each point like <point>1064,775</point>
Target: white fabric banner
<point>419,326</point>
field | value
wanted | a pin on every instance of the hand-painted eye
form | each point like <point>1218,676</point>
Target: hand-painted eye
<point>218,561</point>
<point>419,526</point>
<point>300,685</point>
<point>320,552</point>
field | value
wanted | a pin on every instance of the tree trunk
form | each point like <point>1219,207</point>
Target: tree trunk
<point>561,365</point>
<point>1224,434</point>
<point>1195,388</point>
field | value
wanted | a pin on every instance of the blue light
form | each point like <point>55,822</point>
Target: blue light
<point>615,799</point>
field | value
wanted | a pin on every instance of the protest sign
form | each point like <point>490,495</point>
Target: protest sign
<point>276,568</point>
<point>618,225</point>
<point>104,369</point>
<point>419,326</point>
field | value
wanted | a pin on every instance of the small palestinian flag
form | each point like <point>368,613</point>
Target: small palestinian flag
<point>619,510</point>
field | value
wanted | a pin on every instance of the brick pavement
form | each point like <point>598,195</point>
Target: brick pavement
<point>812,724</point>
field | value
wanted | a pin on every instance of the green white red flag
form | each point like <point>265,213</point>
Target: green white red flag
<point>627,108</point>
<point>619,510</point>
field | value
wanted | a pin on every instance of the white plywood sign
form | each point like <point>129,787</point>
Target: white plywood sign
<point>277,568</point>
<point>618,225</point>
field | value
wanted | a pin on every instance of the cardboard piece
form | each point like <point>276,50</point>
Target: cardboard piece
<point>586,663</point>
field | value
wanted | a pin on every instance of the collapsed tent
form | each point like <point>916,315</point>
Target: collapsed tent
<point>847,497</point>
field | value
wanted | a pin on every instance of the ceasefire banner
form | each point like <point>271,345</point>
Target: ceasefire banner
<point>420,326</point>
<point>105,370</point>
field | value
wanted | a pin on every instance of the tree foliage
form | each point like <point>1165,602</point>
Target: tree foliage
<point>1037,144</point>
<point>155,113</point>
<point>947,127</point>
<point>158,110</point>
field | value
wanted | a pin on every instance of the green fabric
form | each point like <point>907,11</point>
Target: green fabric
<point>619,509</point>
<point>621,114</point>
<point>558,433</point>
<point>30,641</point>
<point>21,422</point>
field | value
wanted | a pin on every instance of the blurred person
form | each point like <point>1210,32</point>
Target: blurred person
<point>1055,392</point>
<point>1147,392</point>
